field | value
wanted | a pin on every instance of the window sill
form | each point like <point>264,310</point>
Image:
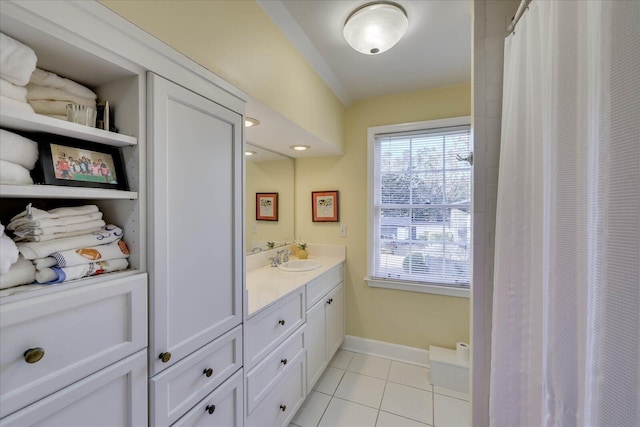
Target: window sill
<point>422,288</point>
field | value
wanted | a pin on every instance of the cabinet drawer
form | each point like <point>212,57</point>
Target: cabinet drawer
<point>181,386</point>
<point>222,408</point>
<point>268,329</point>
<point>81,331</point>
<point>323,284</point>
<point>115,396</point>
<point>261,378</point>
<point>281,404</point>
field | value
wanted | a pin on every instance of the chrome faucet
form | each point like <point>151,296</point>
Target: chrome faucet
<point>281,256</point>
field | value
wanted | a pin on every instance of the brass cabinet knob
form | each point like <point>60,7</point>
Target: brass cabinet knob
<point>282,322</point>
<point>283,408</point>
<point>210,409</point>
<point>284,361</point>
<point>165,357</point>
<point>33,355</point>
<point>208,372</point>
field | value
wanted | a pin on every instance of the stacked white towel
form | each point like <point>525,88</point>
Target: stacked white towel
<point>49,93</point>
<point>63,244</point>
<point>18,155</point>
<point>14,269</point>
<point>17,63</point>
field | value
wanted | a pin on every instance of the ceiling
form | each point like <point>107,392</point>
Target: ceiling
<point>434,52</point>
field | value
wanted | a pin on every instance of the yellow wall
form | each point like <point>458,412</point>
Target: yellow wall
<point>268,177</point>
<point>400,317</point>
<point>238,41</point>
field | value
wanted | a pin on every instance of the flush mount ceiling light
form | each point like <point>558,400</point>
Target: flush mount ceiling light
<point>249,153</point>
<point>299,147</point>
<point>250,122</point>
<point>375,27</point>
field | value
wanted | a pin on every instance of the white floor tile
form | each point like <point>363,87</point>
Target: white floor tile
<point>311,410</point>
<point>450,393</point>
<point>386,419</point>
<point>341,359</point>
<point>411,375</point>
<point>341,413</point>
<point>369,365</point>
<point>408,402</point>
<point>361,389</point>
<point>329,380</point>
<point>450,412</point>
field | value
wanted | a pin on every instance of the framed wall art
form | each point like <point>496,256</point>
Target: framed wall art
<point>267,206</point>
<point>324,206</point>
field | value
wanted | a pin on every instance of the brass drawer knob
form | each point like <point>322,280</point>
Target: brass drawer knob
<point>208,372</point>
<point>210,409</point>
<point>284,361</point>
<point>282,322</point>
<point>33,355</point>
<point>283,408</point>
<point>165,357</point>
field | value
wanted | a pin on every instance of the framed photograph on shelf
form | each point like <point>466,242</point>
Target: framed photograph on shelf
<point>81,164</point>
<point>324,206</point>
<point>267,206</point>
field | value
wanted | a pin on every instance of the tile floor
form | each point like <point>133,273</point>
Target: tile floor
<point>361,390</point>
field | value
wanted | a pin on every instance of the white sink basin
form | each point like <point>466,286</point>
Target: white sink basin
<point>300,265</point>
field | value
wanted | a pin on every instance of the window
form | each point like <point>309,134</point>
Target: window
<point>420,206</point>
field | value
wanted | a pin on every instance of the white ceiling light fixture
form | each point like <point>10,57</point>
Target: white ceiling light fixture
<point>375,27</point>
<point>299,147</point>
<point>249,153</point>
<point>250,122</point>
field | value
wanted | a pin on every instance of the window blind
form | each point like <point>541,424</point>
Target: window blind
<point>422,206</point>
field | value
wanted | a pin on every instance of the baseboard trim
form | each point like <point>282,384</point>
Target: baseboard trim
<point>400,353</point>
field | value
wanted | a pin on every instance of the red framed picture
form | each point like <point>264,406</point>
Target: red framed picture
<point>324,206</point>
<point>267,206</point>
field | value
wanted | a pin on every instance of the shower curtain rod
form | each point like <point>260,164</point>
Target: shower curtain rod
<point>523,6</point>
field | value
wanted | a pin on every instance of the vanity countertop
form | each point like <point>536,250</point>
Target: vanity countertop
<point>266,285</point>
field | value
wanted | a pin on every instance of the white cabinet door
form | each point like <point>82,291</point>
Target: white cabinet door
<point>315,344</point>
<point>195,220</point>
<point>115,396</point>
<point>334,306</point>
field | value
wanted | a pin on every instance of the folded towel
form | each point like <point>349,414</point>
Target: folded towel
<point>39,93</point>
<point>8,253</point>
<point>111,251</point>
<point>23,223</point>
<point>8,104</point>
<point>32,250</point>
<point>8,89</point>
<point>17,60</point>
<point>47,237</point>
<point>11,173</point>
<point>46,78</point>
<point>20,273</point>
<point>64,274</point>
<point>46,262</point>
<point>17,149</point>
<point>36,215</point>
<point>46,107</point>
<point>57,229</point>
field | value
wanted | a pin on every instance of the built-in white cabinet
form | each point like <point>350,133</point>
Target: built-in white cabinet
<point>114,396</point>
<point>195,260</point>
<point>180,133</point>
<point>325,324</point>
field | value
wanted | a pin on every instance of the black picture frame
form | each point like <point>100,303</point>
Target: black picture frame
<point>109,173</point>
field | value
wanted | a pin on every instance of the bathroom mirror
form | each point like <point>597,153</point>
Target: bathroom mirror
<point>268,172</point>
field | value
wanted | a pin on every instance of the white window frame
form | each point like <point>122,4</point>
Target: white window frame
<point>424,287</point>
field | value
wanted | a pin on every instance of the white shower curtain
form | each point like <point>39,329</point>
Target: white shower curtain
<point>566,311</point>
